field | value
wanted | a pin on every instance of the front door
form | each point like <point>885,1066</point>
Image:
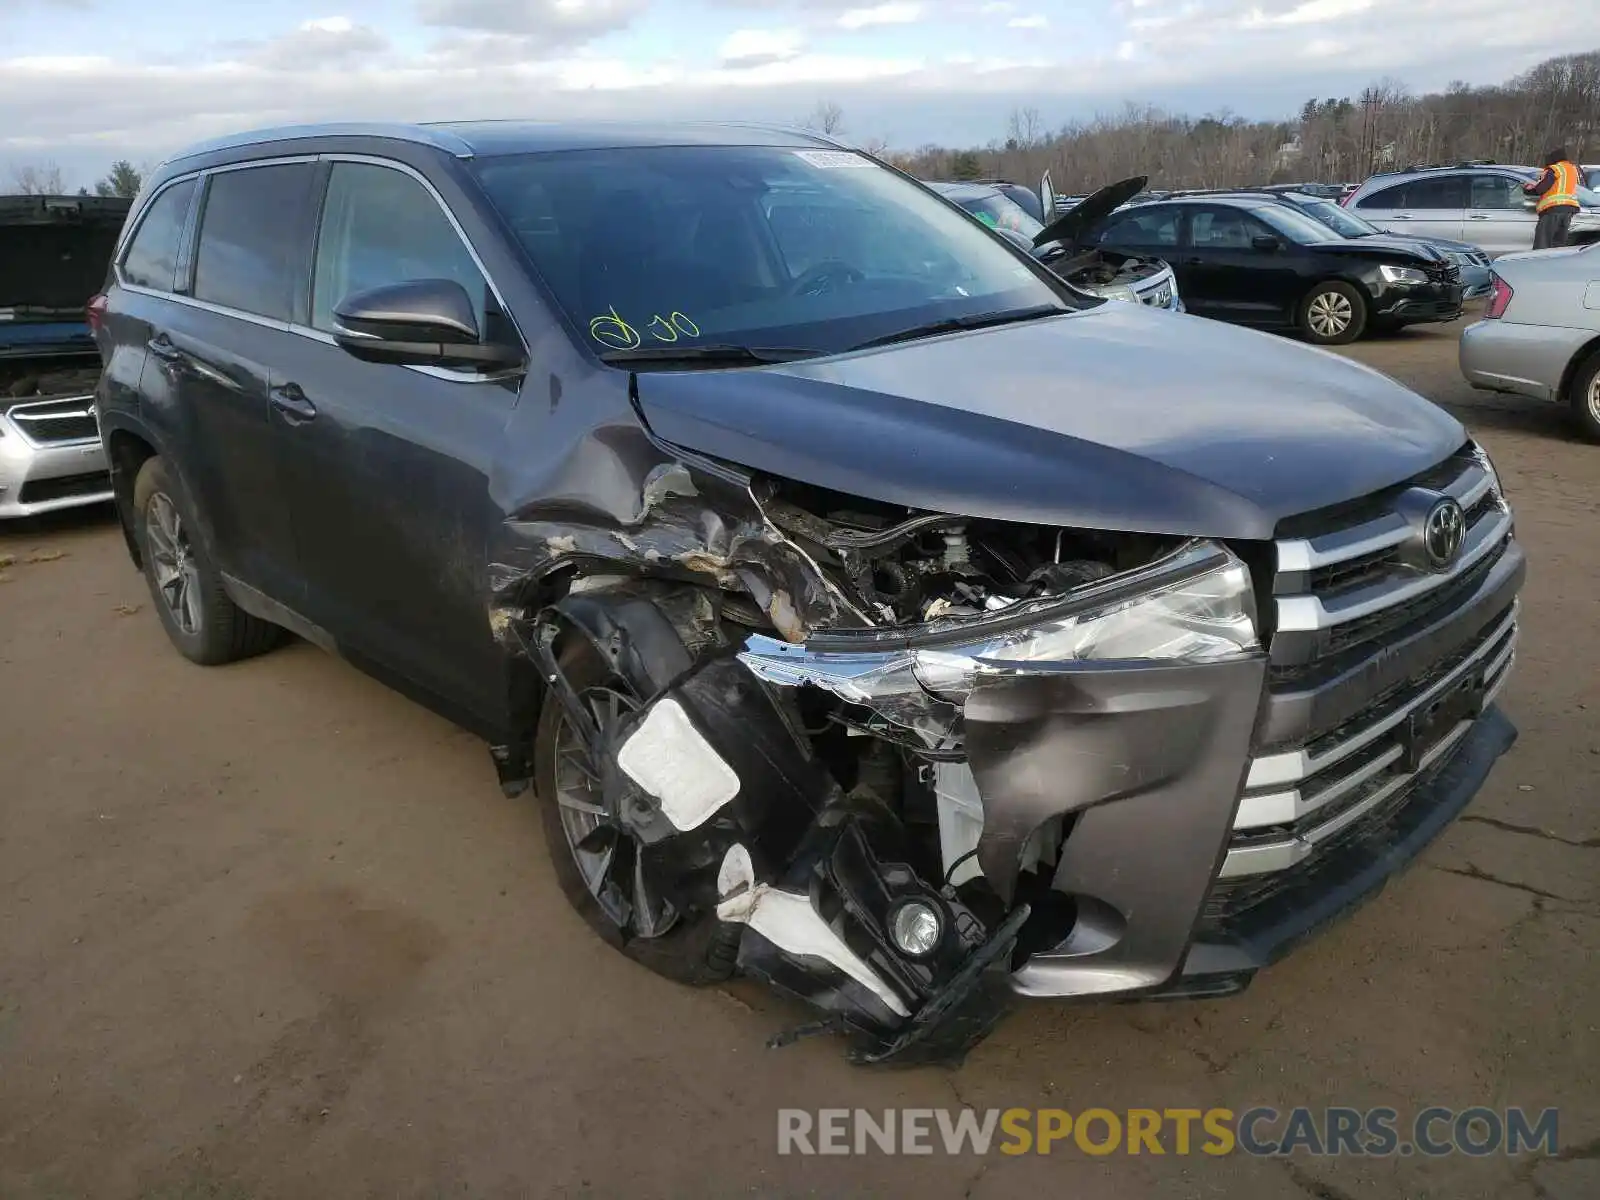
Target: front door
<point>387,465</point>
<point>1241,282</point>
<point>1498,217</point>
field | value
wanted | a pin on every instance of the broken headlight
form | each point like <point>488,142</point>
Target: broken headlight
<point>1195,605</point>
<point>1206,612</point>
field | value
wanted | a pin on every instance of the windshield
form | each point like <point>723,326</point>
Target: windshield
<point>1293,224</point>
<point>749,246</point>
<point>1341,221</point>
<point>999,211</point>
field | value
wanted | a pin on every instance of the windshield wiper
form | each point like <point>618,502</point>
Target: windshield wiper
<point>714,354</point>
<point>957,324</point>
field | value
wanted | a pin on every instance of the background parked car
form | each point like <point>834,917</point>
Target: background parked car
<point>1107,273</point>
<point>54,251</point>
<point>1472,260</point>
<point>1540,335</point>
<point>1256,261</point>
<point>1482,204</point>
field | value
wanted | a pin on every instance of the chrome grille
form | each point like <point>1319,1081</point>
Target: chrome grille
<point>1396,658</point>
<point>54,422</point>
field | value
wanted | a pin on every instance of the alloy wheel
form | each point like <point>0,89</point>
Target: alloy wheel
<point>1330,314</point>
<point>606,853</point>
<point>1593,399</point>
<point>172,559</point>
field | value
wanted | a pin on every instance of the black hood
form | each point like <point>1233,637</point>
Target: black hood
<point>55,250</point>
<point>1118,417</point>
<point>1089,212</point>
<point>1400,249</point>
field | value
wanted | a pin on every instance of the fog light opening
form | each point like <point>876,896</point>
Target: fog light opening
<point>916,928</point>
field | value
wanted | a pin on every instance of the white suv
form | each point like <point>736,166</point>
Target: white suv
<point>1484,205</point>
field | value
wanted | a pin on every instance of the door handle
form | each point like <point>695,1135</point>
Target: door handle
<point>1477,216</point>
<point>1402,216</point>
<point>1194,262</point>
<point>161,346</point>
<point>293,403</point>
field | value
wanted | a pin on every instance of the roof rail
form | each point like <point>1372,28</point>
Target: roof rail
<point>440,139</point>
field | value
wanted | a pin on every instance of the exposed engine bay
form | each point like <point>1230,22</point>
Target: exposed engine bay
<point>799,785</point>
<point>907,568</point>
<point>1099,269</point>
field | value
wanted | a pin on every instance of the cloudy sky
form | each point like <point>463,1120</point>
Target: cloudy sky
<point>86,81</point>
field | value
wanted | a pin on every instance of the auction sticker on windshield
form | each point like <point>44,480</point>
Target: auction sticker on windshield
<point>829,160</point>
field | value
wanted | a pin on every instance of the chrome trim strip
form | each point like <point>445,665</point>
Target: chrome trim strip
<point>1308,613</point>
<point>1279,856</point>
<point>1276,770</point>
<point>1341,545</point>
<point>1284,808</point>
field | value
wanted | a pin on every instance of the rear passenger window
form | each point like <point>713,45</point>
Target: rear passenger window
<point>1390,197</point>
<point>1157,228</point>
<point>249,254</point>
<point>1449,191</point>
<point>152,258</point>
<point>380,226</point>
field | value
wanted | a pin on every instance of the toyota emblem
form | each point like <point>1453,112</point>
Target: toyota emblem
<point>1443,533</point>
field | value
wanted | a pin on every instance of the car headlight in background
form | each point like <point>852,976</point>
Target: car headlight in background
<point>1393,274</point>
<point>1195,605</point>
<point>1116,291</point>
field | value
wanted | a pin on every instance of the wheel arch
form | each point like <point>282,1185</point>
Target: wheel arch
<point>127,450</point>
<point>1576,363</point>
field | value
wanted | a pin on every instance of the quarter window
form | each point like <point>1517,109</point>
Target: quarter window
<point>380,226</point>
<point>249,256</point>
<point>152,258</point>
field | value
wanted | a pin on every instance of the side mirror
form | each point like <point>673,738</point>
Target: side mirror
<point>1265,241</point>
<point>422,322</point>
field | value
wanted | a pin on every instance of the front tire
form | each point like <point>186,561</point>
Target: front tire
<point>1333,314</point>
<point>1584,396</point>
<point>203,624</point>
<point>596,861</point>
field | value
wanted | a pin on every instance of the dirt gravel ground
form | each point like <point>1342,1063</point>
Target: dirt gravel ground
<point>272,931</point>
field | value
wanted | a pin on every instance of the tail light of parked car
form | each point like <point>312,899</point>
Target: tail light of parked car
<point>95,312</point>
<point>1499,296</point>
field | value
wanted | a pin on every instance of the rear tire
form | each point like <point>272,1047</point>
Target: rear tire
<point>1584,396</point>
<point>203,624</point>
<point>695,947</point>
<point>1333,314</point>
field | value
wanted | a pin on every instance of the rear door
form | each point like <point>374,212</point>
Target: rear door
<point>248,258</point>
<point>388,465</point>
<point>1424,206</point>
<point>142,282</point>
<point>210,357</point>
<point>1498,218</point>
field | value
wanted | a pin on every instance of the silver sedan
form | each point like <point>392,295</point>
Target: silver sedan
<point>1540,335</point>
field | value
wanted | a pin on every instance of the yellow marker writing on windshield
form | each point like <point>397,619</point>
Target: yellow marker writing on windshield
<point>609,329</point>
<point>668,329</point>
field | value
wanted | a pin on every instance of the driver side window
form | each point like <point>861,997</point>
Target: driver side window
<point>380,226</point>
<point>1156,228</point>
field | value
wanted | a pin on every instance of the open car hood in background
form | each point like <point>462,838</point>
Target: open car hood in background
<point>1089,212</point>
<point>54,252</point>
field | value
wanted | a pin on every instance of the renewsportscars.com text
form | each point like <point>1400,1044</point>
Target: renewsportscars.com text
<point>1260,1131</point>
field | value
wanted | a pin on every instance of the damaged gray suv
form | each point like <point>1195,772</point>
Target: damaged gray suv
<point>862,608</point>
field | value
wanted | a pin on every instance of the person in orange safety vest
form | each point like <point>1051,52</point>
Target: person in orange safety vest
<point>1557,189</point>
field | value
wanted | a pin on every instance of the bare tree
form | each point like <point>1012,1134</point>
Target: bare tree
<point>827,117</point>
<point>1332,139</point>
<point>37,179</point>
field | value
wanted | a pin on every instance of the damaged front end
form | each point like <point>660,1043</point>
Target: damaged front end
<point>908,764</point>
